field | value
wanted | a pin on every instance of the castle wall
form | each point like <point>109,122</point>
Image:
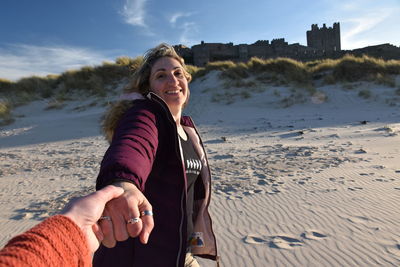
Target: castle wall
<point>322,43</point>
<point>260,51</point>
<point>204,53</point>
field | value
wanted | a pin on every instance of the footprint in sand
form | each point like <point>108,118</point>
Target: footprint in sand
<point>314,235</point>
<point>362,220</point>
<point>355,188</point>
<point>260,175</point>
<point>395,250</point>
<point>339,180</point>
<point>252,192</point>
<point>273,191</point>
<point>304,180</point>
<point>279,241</point>
<point>383,180</point>
<point>284,242</point>
<point>358,219</point>
<point>262,182</point>
<point>23,215</point>
<point>220,157</point>
<point>360,151</point>
<point>233,197</point>
<point>251,239</point>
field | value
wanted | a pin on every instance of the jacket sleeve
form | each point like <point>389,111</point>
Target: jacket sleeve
<point>57,241</point>
<point>132,150</point>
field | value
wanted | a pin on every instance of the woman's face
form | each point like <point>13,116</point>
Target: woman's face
<point>168,81</point>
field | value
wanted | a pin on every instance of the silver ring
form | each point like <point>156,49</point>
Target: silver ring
<point>133,220</point>
<point>107,218</point>
<point>146,213</point>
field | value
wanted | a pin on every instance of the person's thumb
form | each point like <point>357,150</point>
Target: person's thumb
<point>110,192</point>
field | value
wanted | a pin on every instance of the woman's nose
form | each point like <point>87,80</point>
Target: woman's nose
<point>172,79</point>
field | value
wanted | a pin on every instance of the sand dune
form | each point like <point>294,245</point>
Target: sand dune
<point>306,185</point>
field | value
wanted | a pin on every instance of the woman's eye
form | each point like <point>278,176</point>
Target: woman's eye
<point>179,74</point>
<point>159,76</point>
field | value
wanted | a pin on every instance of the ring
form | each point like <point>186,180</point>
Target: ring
<point>107,218</point>
<point>133,220</point>
<point>146,213</point>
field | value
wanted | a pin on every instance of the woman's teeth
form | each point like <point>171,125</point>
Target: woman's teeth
<point>171,92</point>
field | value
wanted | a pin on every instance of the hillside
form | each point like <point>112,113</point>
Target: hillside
<point>240,80</point>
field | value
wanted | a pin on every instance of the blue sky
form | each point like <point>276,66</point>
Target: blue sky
<point>40,37</point>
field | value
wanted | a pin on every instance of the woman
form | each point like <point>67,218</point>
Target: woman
<point>157,157</point>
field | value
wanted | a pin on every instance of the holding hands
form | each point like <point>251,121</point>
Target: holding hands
<point>112,214</point>
<point>129,215</point>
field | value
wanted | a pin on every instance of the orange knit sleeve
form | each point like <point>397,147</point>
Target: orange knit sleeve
<point>57,241</point>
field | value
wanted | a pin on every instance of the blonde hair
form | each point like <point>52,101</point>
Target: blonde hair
<point>141,78</point>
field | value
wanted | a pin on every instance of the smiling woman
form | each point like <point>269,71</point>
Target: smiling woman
<point>168,82</point>
<point>151,155</point>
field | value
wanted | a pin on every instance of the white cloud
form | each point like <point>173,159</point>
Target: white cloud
<point>358,31</point>
<point>20,60</point>
<point>353,5</point>
<point>365,22</point>
<point>177,16</point>
<point>134,12</point>
<point>188,29</point>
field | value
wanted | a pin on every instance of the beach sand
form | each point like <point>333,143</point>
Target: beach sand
<point>312,184</point>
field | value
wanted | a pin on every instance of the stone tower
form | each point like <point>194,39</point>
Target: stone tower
<point>325,39</point>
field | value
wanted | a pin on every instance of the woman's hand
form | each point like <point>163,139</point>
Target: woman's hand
<point>126,220</point>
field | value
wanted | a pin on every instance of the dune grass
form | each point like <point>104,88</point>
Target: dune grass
<point>241,78</point>
<point>95,80</point>
<point>87,81</point>
<point>288,71</point>
<point>5,85</point>
<point>5,113</point>
<point>365,93</point>
<point>99,80</point>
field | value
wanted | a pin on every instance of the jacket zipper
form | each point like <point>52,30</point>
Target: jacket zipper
<point>182,208</point>
<point>155,97</point>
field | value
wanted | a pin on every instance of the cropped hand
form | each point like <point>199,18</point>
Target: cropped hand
<point>126,220</point>
<point>86,211</point>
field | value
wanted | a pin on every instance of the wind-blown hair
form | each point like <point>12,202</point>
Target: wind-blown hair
<point>141,78</point>
<point>140,83</point>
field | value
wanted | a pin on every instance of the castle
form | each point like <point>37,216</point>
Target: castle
<point>322,43</point>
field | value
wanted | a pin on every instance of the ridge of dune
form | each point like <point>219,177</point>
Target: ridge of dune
<point>315,183</point>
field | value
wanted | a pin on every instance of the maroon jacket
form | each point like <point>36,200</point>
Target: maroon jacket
<point>145,150</point>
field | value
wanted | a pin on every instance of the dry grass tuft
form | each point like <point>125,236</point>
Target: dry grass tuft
<point>55,104</point>
<point>5,112</point>
<point>5,85</point>
<point>364,93</point>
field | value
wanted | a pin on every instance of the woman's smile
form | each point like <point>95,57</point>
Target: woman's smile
<point>167,80</point>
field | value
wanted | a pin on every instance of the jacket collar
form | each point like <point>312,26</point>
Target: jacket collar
<point>185,120</point>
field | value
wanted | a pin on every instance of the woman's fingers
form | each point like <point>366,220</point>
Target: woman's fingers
<point>117,209</point>
<point>97,232</point>
<point>107,229</point>
<point>147,219</point>
<point>148,225</point>
<point>134,223</point>
<point>126,218</point>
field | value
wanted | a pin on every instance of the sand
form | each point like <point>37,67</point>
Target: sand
<point>312,184</point>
